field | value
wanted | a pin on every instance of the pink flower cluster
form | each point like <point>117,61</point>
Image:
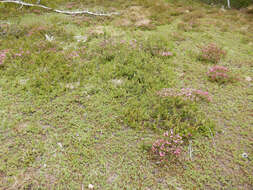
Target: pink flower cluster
<point>166,53</point>
<point>212,53</point>
<point>3,56</point>
<point>219,74</point>
<point>218,68</point>
<point>169,145</point>
<point>186,93</point>
<point>194,94</point>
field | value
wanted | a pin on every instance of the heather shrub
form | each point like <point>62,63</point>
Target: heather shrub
<point>195,95</point>
<point>3,55</point>
<point>186,94</point>
<point>169,146</point>
<point>211,53</point>
<point>220,74</point>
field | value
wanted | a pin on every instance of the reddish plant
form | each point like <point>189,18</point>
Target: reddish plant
<point>169,145</point>
<point>195,95</point>
<point>166,54</point>
<point>3,54</point>
<point>220,74</point>
<point>212,53</point>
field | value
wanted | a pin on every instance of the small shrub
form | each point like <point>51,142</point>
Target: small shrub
<point>166,54</point>
<point>195,95</point>
<point>186,94</point>
<point>3,54</point>
<point>169,146</point>
<point>211,53</point>
<point>220,74</point>
<point>182,115</point>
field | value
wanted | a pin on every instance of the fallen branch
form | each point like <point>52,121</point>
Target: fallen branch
<point>56,10</point>
<point>190,149</point>
<point>212,136</point>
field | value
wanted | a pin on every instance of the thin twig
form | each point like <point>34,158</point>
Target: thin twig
<point>190,149</point>
<point>58,11</point>
<point>212,136</point>
<point>21,7</point>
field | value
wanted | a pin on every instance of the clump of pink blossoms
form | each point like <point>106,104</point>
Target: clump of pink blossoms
<point>3,54</point>
<point>220,74</point>
<point>195,95</point>
<point>166,53</point>
<point>169,145</point>
<point>212,53</point>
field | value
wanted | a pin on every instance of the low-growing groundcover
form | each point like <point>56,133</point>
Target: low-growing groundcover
<point>97,101</point>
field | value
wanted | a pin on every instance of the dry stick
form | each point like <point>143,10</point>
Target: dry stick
<point>58,11</point>
<point>212,136</point>
<point>190,149</point>
<point>229,4</point>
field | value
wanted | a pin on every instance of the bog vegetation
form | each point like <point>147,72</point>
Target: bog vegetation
<point>157,97</point>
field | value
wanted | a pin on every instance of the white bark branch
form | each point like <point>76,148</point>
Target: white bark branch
<point>58,11</point>
<point>229,4</point>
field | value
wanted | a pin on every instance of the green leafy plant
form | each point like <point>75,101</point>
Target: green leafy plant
<point>183,116</point>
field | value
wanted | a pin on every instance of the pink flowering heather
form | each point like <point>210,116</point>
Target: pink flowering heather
<point>220,74</point>
<point>212,53</point>
<point>3,54</point>
<point>169,145</point>
<point>195,95</point>
<point>218,68</point>
<point>166,53</point>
